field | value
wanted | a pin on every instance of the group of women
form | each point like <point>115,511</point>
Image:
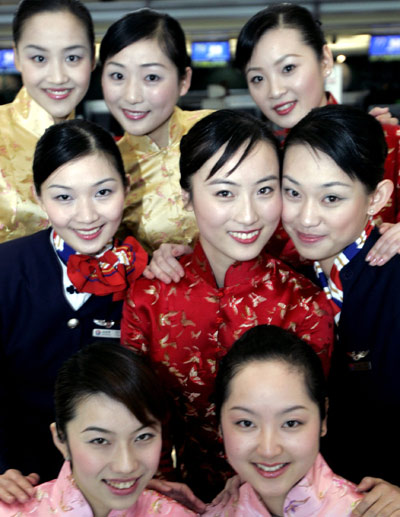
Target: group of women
<point>211,180</point>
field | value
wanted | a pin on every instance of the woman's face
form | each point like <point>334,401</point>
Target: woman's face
<point>324,210</point>
<point>113,455</point>
<point>141,87</point>
<point>285,76</point>
<point>237,213</point>
<point>84,201</point>
<point>55,60</point>
<point>271,429</point>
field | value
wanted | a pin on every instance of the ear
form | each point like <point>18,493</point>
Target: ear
<point>16,59</point>
<point>324,426</point>
<point>61,446</point>
<point>187,200</point>
<point>185,81</point>
<point>380,197</point>
<point>94,60</point>
<point>39,200</point>
<point>326,61</point>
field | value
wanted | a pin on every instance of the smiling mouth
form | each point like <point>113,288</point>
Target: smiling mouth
<point>135,115</point>
<point>58,93</point>
<point>245,237</point>
<point>308,238</point>
<point>284,109</point>
<point>271,468</point>
<point>121,485</point>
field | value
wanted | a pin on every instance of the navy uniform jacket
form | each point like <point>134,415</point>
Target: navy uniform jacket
<point>35,339</point>
<point>364,413</point>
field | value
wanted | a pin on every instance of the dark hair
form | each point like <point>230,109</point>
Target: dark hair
<point>285,16</point>
<point>353,139</point>
<point>113,370</point>
<point>206,137</point>
<point>147,24</point>
<point>271,343</point>
<point>28,8</point>
<point>70,140</point>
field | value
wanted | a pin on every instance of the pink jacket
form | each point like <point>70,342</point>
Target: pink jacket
<point>62,497</point>
<point>321,493</point>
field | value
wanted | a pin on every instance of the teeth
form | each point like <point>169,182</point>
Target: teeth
<point>285,106</point>
<point>88,232</point>
<point>274,468</point>
<point>245,236</point>
<point>126,484</point>
<point>58,92</point>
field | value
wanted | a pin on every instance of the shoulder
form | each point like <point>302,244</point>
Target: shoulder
<point>248,503</point>
<point>151,501</point>
<point>24,249</point>
<point>392,134</point>
<point>189,118</point>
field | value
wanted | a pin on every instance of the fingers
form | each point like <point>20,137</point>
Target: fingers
<point>384,116</point>
<point>164,265</point>
<point>14,487</point>
<point>387,246</point>
<point>231,489</point>
<point>383,499</point>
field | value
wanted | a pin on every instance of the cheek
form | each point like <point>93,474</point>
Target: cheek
<point>165,96</point>
<point>85,463</point>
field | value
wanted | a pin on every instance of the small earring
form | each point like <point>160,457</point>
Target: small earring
<point>327,72</point>
<point>371,211</point>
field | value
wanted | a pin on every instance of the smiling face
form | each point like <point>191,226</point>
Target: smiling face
<point>285,76</point>
<point>236,213</point>
<point>113,455</point>
<point>84,201</point>
<point>55,61</point>
<point>141,87</point>
<point>324,210</point>
<point>271,429</point>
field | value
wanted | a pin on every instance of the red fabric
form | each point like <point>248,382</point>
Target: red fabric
<point>109,274</point>
<point>185,328</point>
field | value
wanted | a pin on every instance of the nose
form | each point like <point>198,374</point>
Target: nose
<point>309,216</point>
<point>86,211</point>
<point>133,91</point>
<point>269,444</point>
<point>124,460</point>
<point>246,212</point>
<point>56,72</point>
<point>276,86</point>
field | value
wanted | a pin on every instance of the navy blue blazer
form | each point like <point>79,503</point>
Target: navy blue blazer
<point>364,412</point>
<point>37,334</point>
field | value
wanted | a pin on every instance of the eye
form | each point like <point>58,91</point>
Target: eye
<point>291,193</point>
<point>265,190</point>
<point>245,424</point>
<point>256,79</point>
<point>332,199</point>
<point>104,192</point>
<point>144,437</point>
<point>151,78</point>
<point>99,441</point>
<point>38,59</point>
<point>288,68</point>
<point>224,193</point>
<point>73,58</point>
<point>291,424</point>
<point>63,197</point>
<point>116,76</point>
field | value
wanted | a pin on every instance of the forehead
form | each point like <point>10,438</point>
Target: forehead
<point>102,411</point>
<point>271,383</point>
<point>261,161</point>
<point>143,51</point>
<point>54,26</point>
<point>85,170</point>
<point>279,42</point>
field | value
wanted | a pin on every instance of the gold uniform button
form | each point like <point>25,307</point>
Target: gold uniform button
<point>73,323</point>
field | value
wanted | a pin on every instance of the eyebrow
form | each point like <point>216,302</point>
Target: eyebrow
<point>107,431</point>
<point>250,412</point>
<point>55,185</point>
<point>324,185</point>
<point>144,65</point>
<point>43,49</point>
<point>223,181</point>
